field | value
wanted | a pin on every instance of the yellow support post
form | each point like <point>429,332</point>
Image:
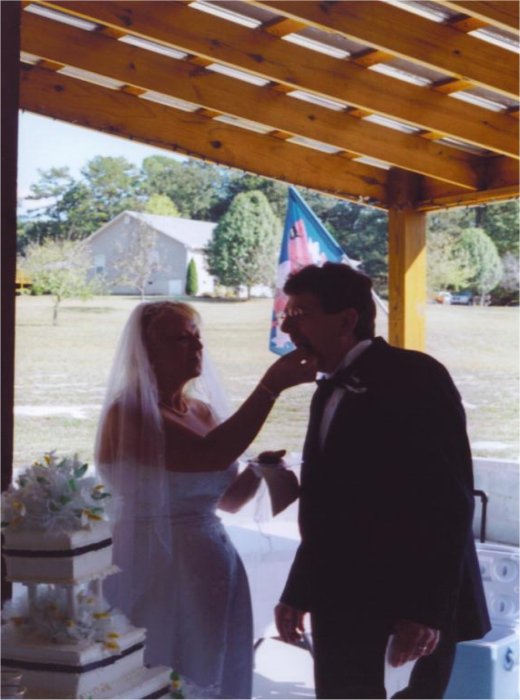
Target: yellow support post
<point>406,262</point>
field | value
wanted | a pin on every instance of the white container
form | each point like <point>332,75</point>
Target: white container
<point>488,667</point>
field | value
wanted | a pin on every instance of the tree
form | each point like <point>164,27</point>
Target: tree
<point>484,258</point>
<point>113,186</point>
<point>192,279</point>
<point>449,265</point>
<point>451,219</point>
<point>507,291</point>
<point>500,221</point>
<point>49,218</point>
<point>360,230</point>
<point>59,268</point>
<point>193,186</point>
<point>244,244</point>
<point>73,209</point>
<point>236,181</point>
<point>136,258</point>
<point>160,204</point>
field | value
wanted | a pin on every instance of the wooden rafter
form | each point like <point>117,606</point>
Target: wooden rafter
<point>111,111</point>
<point>178,25</point>
<point>145,71</point>
<point>406,35</point>
<point>503,14</point>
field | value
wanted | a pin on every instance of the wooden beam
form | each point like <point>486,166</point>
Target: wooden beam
<point>468,199</point>
<point>502,14</point>
<point>148,71</point>
<point>499,182</point>
<point>404,34</point>
<point>10,20</point>
<point>497,173</point>
<point>199,33</point>
<point>120,114</point>
<point>10,15</point>
<point>406,263</point>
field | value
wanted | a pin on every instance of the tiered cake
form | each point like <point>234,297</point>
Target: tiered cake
<point>63,636</point>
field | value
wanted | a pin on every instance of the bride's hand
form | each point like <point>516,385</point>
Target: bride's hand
<point>271,457</point>
<point>297,367</point>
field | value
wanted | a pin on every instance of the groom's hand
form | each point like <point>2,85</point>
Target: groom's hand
<point>289,622</point>
<point>410,641</point>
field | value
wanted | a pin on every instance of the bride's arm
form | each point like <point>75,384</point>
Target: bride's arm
<point>186,450</point>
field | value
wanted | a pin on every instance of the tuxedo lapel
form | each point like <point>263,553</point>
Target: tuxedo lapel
<point>324,391</point>
<point>351,379</point>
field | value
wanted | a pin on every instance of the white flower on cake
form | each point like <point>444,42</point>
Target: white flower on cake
<point>48,619</point>
<point>53,495</point>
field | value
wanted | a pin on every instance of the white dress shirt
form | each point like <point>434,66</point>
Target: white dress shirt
<point>337,394</point>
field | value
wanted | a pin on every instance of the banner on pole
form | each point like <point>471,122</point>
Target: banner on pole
<point>305,241</point>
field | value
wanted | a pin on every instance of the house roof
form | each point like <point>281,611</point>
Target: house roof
<point>192,234</point>
<point>334,96</point>
<point>195,235</point>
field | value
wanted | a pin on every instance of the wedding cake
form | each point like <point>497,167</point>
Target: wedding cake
<point>62,635</point>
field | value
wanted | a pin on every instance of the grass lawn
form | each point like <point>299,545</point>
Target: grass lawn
<point>61,370</point>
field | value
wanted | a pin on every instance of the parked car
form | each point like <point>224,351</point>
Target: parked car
<point>465,298</point>
<point>443,297</point>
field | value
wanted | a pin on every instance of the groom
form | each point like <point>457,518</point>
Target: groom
<point>386,502</point>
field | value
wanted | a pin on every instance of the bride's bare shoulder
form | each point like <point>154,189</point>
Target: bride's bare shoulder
<point>202,410</point>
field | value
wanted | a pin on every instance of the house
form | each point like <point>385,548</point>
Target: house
<point>175,242</point>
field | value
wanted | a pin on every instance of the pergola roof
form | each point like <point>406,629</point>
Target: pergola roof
<point>328,95</point>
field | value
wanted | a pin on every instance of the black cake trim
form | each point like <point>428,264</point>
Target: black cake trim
<point>62,668</point>
<point>42,554</point>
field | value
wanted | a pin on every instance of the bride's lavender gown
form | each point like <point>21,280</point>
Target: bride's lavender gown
<point>198,608</point>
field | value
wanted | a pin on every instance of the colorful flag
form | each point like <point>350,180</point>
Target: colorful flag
<point>305,241</point>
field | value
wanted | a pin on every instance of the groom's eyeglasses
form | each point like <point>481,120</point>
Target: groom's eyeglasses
<point>295,314</point>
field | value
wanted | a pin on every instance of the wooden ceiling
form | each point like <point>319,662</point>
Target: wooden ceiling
<point>328,95</point>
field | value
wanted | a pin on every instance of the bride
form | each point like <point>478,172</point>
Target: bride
<point>163,447</point>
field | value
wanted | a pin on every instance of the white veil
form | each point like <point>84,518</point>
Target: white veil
<point>136,474</point>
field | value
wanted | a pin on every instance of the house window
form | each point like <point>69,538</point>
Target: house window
<point>99,263</point>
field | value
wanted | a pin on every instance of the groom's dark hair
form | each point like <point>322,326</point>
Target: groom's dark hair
<point>338,287</point>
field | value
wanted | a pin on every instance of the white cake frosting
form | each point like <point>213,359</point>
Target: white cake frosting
<point>62,557</point>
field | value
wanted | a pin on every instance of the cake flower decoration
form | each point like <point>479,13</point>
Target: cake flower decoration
<point>54,495</point>
<point>176,686</point>
<point>49,619</point>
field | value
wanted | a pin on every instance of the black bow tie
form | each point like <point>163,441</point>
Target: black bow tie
<point>337,379</point>
<point>326,385</point>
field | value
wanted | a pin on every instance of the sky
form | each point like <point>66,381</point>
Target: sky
<point>44,143</point>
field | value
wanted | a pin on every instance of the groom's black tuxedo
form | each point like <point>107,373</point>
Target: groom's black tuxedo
<point>386,502</point>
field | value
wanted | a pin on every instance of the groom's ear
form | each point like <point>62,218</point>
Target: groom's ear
<point>350,319</point>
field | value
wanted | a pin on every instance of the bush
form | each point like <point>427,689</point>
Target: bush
<point>192,279</point>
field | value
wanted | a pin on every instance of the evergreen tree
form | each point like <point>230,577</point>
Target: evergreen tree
<point>236,181</point>
<point>192,279</point>
<point>484,258</point>
<point>506,293</point>
<point>449,264</point>
<point>245,241</point>
<point>500,221</point>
